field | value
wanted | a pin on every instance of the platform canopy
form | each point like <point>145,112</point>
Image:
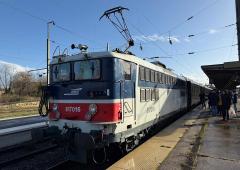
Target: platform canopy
<point>223,76</point>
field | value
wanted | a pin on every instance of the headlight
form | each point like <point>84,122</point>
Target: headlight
<point>55,107</point>
<point>92,109</point>
<point>55,110</point>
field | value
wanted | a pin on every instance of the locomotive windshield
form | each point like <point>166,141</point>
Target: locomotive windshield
<point>61,72</point>
<point>87,70</point>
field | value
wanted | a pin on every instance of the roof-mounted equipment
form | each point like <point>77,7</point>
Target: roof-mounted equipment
<point>81,47</point>
<point>115,16</point>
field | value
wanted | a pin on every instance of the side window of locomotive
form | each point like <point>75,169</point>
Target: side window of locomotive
<point>166,79</point>
<point>61,72</point>
<point>163,79</point>
<point>147,74</point>
<point>87,70</point>
<point>156,77</point>
<point>148,94</point>
<point>141,73</point>
<point>152,76</point>
<point>153,93</point>
<point>160,77</point>
<point>126,70</point>
<point>156,94</point>
<point>142,95</point>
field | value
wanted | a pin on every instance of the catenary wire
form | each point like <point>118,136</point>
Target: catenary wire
<point>46,21</point>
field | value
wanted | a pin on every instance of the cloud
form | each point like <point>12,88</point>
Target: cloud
<point>186,39</point>
<point>16,67</point>
<point>156,37</point>
<point>212,31</point>
<point>195,77</point>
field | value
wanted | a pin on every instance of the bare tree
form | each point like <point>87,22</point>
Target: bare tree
<point>26,84</point>
<point>6,76</point>
<point>21,84</point>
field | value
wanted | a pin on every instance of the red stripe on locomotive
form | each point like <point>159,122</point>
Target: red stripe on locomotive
<point>106,112</point>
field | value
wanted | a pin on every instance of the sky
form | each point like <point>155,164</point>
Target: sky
<point>151,23</point>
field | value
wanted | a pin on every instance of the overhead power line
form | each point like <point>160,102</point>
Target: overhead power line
<point>159,47</point>
<point>208,31</point>
<point>234,36</point>
<point>204,50</point>
<point>23,11</point>
<point>67,30</point>
<point>178,25</point>
<point>39,69</point>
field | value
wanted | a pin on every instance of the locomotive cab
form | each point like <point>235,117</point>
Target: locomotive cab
<point>91,88</point>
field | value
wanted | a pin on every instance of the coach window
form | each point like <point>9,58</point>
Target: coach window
<point>126,70</point>
<point>163,79</point>
<point>156,94</point>
<point>153,94</point>
<point>141,72</point>
<point>147,74</point>
<point>174,80</point>
<point>156,77</point>
<point>142,95</point>
<point>148,95</point>
<point>160,77</point>
<point>152,76</point>
<point>171,80</point>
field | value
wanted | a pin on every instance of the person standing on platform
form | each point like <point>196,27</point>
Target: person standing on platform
<point>220,109</point>
<point>202,99</point>
<point>234,100</point>
<point>214,102</point>
<point>209,100</point>
<point>226,100</point>
<point>224,105</point>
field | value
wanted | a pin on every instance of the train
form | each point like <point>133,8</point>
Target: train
<point>104,100</point>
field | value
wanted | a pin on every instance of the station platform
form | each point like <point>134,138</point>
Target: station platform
<point>195,141</point>
<point>21,121</point>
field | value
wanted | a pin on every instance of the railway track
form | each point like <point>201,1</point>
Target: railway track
<point>76,166</point>
<point>18,143</point>
<point>23,156</point>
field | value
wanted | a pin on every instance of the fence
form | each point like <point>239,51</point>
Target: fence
<point>18,109</point>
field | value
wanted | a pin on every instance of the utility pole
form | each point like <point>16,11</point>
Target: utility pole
<point>237,2</point>
<point>48,48</point>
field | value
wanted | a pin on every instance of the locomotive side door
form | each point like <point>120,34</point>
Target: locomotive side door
<point>128,90</point>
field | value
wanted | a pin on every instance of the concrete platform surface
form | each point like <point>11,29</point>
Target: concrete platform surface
<point>154,151</point>
<point>220,148</point>
<point>195,141</point>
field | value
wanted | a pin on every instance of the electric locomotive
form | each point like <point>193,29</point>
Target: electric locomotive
<point>103,100</point>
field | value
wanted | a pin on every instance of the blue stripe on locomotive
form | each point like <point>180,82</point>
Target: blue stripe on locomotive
<point>112,78</point>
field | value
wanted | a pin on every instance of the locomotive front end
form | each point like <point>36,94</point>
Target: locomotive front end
<point>83,103</point>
